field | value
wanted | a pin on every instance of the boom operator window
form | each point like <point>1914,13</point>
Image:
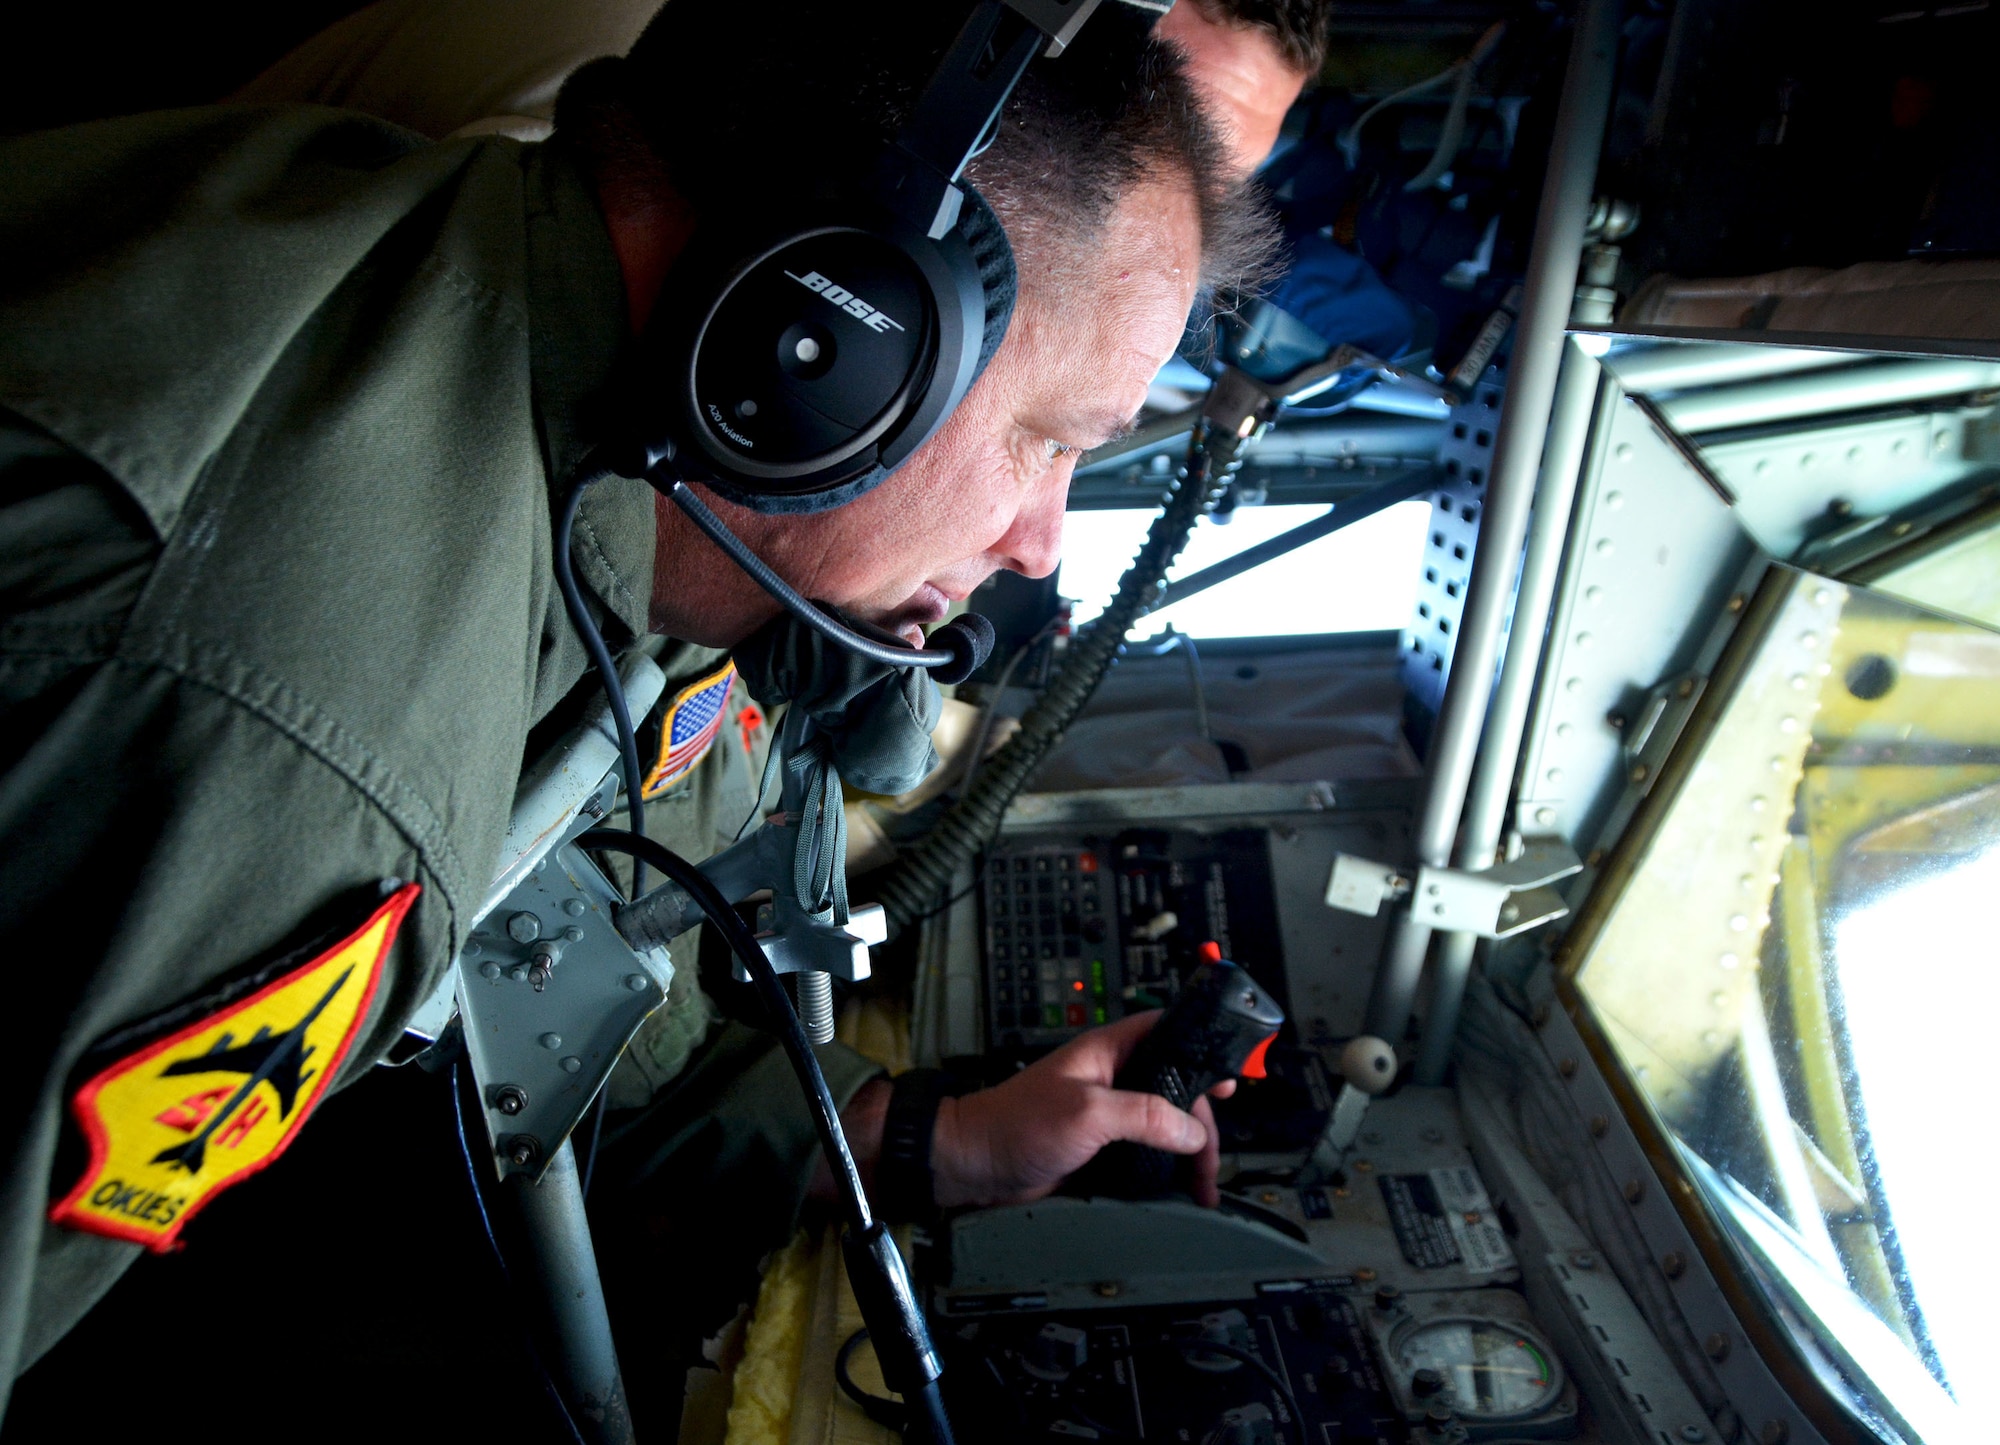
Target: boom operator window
<point>1362,578</point>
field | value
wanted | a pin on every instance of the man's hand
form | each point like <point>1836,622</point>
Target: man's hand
<point>1017,1141</point>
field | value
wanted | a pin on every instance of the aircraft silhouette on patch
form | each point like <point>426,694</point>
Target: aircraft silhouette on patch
<point>267,1058</point>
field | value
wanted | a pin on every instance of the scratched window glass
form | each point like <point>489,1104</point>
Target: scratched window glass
<point>1797,970</point>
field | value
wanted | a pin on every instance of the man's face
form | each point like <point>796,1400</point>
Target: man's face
<point>1248,83</point>
<point>988,491</point>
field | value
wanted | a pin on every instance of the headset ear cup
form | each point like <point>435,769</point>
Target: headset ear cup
<point>969,638</point>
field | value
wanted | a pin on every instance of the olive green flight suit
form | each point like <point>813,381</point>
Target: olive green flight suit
<point>283,398</point>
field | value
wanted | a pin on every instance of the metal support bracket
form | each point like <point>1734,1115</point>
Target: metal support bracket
<point>549,994</point>
<point>1496,902</point>
<point>1652,734</point>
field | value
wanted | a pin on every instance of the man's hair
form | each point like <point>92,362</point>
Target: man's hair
<point>1298,26</point>
<point>742,100</point>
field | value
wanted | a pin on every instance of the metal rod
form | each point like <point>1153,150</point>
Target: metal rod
<point>1687,365</point>
<point>1342,514</point>
<point>1771,400</point>
<point>558,1268</point>
<point>1577,391</point>
<point>1517,452</point>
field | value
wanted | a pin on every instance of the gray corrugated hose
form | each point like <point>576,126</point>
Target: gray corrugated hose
<point>910,887</point>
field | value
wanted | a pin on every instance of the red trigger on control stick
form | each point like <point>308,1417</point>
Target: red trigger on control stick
<point>1253,1062</point>
<point>1219,1027</point>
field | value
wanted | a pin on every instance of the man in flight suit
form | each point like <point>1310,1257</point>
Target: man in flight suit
<point>285,400</point>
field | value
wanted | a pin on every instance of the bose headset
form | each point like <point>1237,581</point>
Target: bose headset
<point>793,363</point>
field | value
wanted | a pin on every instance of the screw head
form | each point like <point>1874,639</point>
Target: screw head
<point>551,1041</point>
<point>519,973</point>
<point>637,982</point>
<point>1107,1289</point>
<point>573,934</point>
<point>572,1065</point>
<point>1693,1434</point>
<point>1673,1264</point>
<point>510,1099</point>
<point>573,907</point>
<point>1773,1432</point>
<point>1364,1275</point>
<point>1634,1190</point>
<point>1599,1126</point>
<point>1566,1067</point>
<point>1426,1382</point>
<point>524,927</point>
<point>1716,1346</point>
<point>1388,1297</point>
<point>1583,1259</point>
<point>523,1150</point>
<point>489,969</point>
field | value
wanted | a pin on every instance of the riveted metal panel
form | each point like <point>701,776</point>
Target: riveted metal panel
<point>1654,556</point>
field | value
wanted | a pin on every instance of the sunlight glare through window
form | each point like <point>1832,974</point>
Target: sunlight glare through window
<point>1920,994</point>
<point>1358,579</point>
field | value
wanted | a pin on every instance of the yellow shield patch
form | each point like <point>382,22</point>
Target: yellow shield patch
<point>176,1122</point>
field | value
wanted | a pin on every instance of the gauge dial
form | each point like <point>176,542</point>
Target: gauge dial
<point>1492,1370</point>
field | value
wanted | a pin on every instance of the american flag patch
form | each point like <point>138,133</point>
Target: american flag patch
<point>690,725</point>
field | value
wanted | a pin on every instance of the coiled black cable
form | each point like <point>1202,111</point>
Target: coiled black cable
<point>912,884</point>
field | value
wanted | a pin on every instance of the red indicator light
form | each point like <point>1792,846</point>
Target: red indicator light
<point>1212,951</point>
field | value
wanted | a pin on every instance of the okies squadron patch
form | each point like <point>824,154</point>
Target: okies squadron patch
<point>177,1121</point>
<point>688,728</point>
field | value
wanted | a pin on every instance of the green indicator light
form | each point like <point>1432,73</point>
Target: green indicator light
<point>1052,1016</point>
<point>1097,1015</point>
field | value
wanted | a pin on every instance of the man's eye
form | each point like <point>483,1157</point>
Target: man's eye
<point>1054,451</point>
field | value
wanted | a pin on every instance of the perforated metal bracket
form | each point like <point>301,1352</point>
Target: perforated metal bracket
<point>1496,902</point>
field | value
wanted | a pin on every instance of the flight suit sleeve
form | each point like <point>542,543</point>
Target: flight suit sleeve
<point>169,859</point>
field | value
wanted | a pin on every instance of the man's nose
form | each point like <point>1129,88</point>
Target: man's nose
<point>1032,546</point>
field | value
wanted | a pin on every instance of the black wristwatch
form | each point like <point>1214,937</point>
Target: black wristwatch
<point>903,1180</point>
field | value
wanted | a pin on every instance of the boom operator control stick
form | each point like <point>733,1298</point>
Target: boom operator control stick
<point>1219,1028</point>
